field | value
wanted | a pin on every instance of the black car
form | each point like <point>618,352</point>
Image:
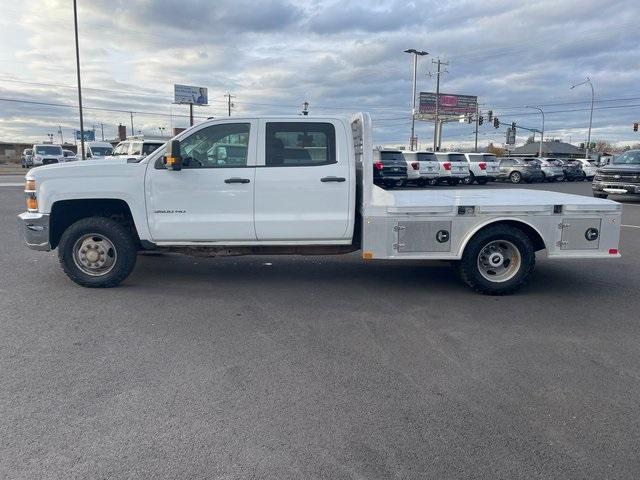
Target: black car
<point>389,168</point>
<point>620,177</point>
<point>572,170</point>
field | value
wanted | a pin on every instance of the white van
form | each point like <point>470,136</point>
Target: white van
<point>97,150</point>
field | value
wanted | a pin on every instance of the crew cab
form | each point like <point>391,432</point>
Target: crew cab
<point>296,185</point>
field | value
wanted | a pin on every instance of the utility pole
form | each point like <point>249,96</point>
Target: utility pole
<point>438,128</point>
<point>228,96</point>
<point>132,130</point>
<point>415,54</point>
<point>102,130</point>
<point>75,25</point>
<point>60,132</point>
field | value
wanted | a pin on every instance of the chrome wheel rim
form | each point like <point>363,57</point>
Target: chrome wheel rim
<point>94,254</point>
<point>499,261</point>
<point>515,177</point>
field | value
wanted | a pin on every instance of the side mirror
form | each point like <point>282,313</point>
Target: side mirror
<point>172,159</point>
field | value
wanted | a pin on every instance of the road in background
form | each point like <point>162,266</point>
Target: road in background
<point>318,367</point>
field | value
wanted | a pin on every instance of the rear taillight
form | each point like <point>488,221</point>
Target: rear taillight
<point>415,165</point>
<point>447,166</point>
<point>613,251</point>
<point>483,166</point>
<point>378,166</point>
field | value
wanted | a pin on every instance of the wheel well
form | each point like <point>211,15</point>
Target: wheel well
<point>528,230</point>
<point>66,212</point>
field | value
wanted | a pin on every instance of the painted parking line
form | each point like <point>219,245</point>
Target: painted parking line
<point>12,184</point>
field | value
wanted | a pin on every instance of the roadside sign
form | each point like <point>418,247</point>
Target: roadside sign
<point>89,135</point>
<point>448,104</point>
<point>190,95</point>
<point>511,136</point>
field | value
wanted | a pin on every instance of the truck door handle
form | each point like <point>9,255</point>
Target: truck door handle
<point>333,179</point>
<point>237,180</point>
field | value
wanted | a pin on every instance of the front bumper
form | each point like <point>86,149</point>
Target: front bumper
<point>35,230</point>
<point>630,188</point>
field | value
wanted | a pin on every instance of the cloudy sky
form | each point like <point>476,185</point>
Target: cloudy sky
<point>340,56</point>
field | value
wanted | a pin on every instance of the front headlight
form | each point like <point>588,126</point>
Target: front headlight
<point>30,192</point>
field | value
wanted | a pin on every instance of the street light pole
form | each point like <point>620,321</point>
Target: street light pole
<point>593,97</point>
<point>75,24</point>
<point>413,104</point>
<point>542,132</point>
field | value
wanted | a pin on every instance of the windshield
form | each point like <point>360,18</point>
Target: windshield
<point>48,150</point>
<point>627,158</point>
<point>101,151</point>
<point>457,157</point>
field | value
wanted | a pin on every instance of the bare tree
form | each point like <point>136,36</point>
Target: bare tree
<point>497,151</point>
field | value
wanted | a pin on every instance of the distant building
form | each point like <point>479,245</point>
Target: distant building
<point>555,148</point>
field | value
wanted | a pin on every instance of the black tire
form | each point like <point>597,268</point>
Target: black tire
<point>401,183</point>
<point>569,179</point>
<point>469,269</point>
<point>470,179</point>
<point>481,181</point>
<point>421,183</point>
<point>544,178</point>
<point>124,245</point>
<point>600,195</point>
<point>515,177</point>
<point>432,182</point>
<point>453,182</point>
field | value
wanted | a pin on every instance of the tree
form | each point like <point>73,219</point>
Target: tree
<point>497,151</point>
<point>530,140</point>
<point>603,146</point>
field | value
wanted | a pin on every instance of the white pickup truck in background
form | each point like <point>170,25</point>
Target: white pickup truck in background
<point>296,185</point>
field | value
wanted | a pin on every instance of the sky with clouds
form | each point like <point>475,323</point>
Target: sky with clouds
<point>340,56</point>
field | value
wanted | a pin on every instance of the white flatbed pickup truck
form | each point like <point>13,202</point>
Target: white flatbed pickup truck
<point>296,185</point>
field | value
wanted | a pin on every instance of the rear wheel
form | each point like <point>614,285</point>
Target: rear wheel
<point>497,260</point>
<point>97,252</point>
<point>515,177</point>
<point>482,180</point>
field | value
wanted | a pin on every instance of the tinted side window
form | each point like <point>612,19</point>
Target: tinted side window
<point>217,146</point>
<point>299,144</point>
<point>147,148</point>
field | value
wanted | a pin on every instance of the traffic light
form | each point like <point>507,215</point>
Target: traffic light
<point>480,120</point>
<point>496,123</point>
<point>513,125</point>
<point>635,127</point>
<point>490,116</point>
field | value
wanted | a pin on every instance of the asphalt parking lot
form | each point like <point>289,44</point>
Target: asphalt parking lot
<point>318,367</point>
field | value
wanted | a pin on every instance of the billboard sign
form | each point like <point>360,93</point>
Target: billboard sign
<point>192,95</point>
<point>452,105</point>
<point>89,135</point>
<point>511,136</point>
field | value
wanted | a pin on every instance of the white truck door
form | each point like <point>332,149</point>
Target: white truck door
<point>211,198</point>
<point>303,181</point>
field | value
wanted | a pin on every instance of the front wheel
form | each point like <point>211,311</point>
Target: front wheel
<point>497,260</point>
<point>97,252</point>
<point>515,177</point>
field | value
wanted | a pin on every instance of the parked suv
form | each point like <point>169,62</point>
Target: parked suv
<point>389,168</point>
<point>551,169</point>
<point>44,154</point>
<point>620,177</point>
<point>27,158</point>
<point>136,148</point>
<point>517,170</point>
<point>572,170</point>
<point>483,168</point>
<point>453,167</point>
<point>427,171</point>
<point>588,167</point>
